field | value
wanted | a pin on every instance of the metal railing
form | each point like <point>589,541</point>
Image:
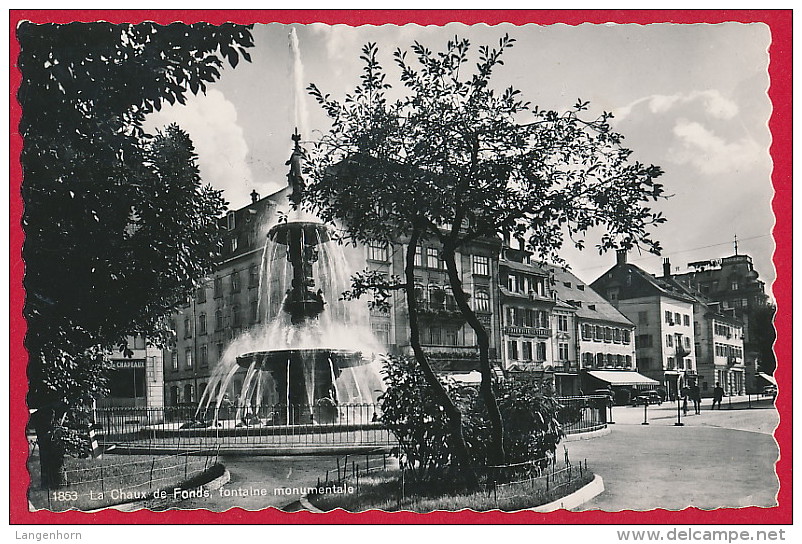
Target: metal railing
<point>266,425</point>
<point>583,414</point>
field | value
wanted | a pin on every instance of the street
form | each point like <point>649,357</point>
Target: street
<point>719,458</point>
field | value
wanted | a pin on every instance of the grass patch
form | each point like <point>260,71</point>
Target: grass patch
<point>117,479</point>
<point>382,491</point>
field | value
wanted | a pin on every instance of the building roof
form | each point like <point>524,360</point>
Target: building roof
<point>644,284</point>
<point>588,303</point>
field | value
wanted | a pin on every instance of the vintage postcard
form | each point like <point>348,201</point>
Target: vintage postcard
<point>360,267</point>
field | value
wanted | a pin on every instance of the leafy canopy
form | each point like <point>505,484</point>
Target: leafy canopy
<point>452,151</point>
<point>118,225</point>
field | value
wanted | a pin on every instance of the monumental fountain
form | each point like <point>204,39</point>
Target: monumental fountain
<point>314,353</point>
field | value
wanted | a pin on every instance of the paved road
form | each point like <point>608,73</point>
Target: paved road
<point>717,459</point>
<point>250,475</point>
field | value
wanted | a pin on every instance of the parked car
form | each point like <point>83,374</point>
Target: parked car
<point>603,393</point>
<point>770,390</point>
<point>647,397</point>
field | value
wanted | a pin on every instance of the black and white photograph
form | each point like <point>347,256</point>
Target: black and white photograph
<point>321,267</point>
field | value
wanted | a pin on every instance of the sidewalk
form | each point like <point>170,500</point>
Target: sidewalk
<point>719,458</point>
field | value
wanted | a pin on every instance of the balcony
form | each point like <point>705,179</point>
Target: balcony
<point>527,331</point>
<point>440,310</point>
<point>453,358</point>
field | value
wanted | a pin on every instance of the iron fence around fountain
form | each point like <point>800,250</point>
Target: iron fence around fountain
<point>582,414</point>
<point>279,426</point>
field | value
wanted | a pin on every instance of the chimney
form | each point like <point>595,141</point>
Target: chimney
<point>621,256</point>
<point>666,268</point>
<point>254,196</point>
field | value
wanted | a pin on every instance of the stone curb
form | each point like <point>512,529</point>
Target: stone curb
<point>150,503</point>
<point>586,436</point>
<point>263,451</point>
<point>577,498</point>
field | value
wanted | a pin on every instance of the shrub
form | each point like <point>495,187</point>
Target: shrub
<point>530,417</point>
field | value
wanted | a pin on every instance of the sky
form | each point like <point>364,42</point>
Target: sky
<point>689,98</point>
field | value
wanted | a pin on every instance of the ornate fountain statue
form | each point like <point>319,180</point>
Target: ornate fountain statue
<point>309,338</point>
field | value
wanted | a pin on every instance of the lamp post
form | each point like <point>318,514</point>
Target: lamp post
<point>645,406</point>
<point>679,422</point>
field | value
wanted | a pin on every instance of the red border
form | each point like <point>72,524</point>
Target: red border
<point>780,68</point>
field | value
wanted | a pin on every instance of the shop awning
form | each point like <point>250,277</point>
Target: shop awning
<point>768,378</point>
<point>622,377</point>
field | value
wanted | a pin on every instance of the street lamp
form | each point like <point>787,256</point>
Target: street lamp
<point>679,422</point>
<point>645,406</point>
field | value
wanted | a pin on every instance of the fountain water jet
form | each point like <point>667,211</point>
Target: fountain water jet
<point>310,337</point>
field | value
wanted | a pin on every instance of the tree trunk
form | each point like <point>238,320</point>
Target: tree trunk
<point>452,413</point>
<point>51,453</point>
<point>496,447</point>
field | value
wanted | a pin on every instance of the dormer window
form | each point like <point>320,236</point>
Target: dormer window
<point>231,220</point>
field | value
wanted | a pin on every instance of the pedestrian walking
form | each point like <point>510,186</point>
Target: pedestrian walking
<point>718,395</point>
<point>696,397</point>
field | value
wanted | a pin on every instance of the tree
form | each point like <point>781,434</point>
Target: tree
<point>117,224</point>
<point>454,160</point>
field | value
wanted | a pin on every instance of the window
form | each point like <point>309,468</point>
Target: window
<point>541,351</point>
<point>512,282</point>
<point>218,320</point>
<point>253,276</point>
<point>668,318</point>
<point>587,332</point>
<point>254,311</point>
<point>378,251</point>
<point>527,350</point>
<point>669,341</point>
<point>686,320</point>
<point>617,336</point>
<point>434,336</point>
<point>202,324</point>
<point>562,323</point>
<point>188,358</point>
<point>481,299</point>
<point>734,286</point>
<point>677,318</point>
<point>201,296</point>
<point>235,282</point>
<point>563,349</point>
<point>418,256</point>
<point>219,351</point>
<point>680,364</point>
<point>608,334</point>
<point>643,318</point>
<point>218,287</point>
<point>432,258</point>
<point>512,350</point>
<point>587,360</point>
<point>174,360</point>
<point>687,342</point>
<point>382,332</point>
<point>451,337</point>
<point>231,220</point>
<point>187,327</point>
<point>599,360</point>
<point>670,364</point>
<point>204,356</point>
<point>481,265</point>
<point>625,336</point>
<point>188,393</point>
<point>236,316</point>
<point>234,243</point>
<point>627,361</point>
<point>599,333</point>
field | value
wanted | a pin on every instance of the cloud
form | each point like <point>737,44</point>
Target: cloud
<point>211,121</point>
<point>711,154</point>
<point>711,102</point>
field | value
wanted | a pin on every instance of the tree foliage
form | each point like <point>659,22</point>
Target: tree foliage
<point>118,225</point>
<point>452,159</point>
